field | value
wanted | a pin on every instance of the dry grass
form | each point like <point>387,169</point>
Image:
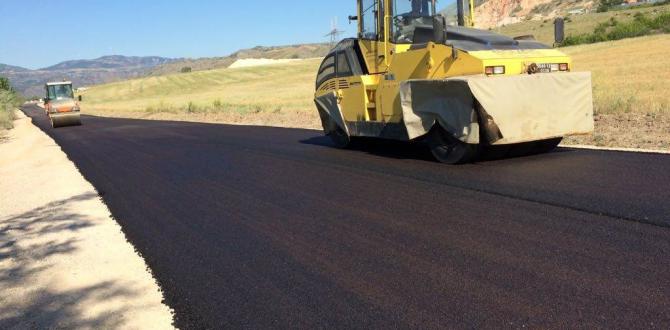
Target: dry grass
<point>277,95</point>
<point>631,82</point>
<point>630,75</point>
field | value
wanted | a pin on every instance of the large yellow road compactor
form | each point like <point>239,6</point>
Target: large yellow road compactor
<point>418,70</point>
<point>60,104</point>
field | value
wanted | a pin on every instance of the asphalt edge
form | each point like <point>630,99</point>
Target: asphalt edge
<point>19,114</point>
<point>635,150</point>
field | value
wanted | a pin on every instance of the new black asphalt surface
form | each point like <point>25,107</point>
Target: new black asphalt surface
<point>260,227</point>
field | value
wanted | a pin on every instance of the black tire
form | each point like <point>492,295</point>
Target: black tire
<point>340,138</point>
<point>449,150</point>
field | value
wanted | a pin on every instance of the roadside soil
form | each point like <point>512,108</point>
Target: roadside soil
<point>64,262</point>
<point>628,130</point>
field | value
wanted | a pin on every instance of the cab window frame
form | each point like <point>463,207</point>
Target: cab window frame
<point>348,72</point>
<point>391,35</point>
<point>375,14</point>
<point>326,66</point>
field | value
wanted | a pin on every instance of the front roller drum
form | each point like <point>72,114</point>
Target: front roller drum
<point>65,119</point>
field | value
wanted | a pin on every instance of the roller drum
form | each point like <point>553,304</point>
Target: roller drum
<point>65,119</point>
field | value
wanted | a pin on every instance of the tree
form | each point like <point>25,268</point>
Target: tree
<point>186,69</point>
<point>5,85</point>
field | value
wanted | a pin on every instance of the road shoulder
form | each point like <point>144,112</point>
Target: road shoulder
<point>64,261</point>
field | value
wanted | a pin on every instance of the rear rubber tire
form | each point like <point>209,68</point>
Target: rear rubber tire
<point>449,150</point>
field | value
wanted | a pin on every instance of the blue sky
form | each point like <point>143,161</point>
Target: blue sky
<point>40,33</point>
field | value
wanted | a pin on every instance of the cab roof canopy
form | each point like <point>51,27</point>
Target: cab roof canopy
<point>59,83</point>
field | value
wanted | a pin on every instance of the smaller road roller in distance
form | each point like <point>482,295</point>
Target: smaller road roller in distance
<point>60,104</point>
<point>419,71</point>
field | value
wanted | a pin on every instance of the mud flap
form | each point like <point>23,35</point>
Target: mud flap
<point>449,103</point>
<point>513,109</point>
<point>329,111</point>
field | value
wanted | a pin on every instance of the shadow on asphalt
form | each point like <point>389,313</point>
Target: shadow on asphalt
<point>380,147</point>
<point>410,150</point>
<point>49,307</point>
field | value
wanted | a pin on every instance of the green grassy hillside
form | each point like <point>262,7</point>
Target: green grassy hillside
<point>577,24</point>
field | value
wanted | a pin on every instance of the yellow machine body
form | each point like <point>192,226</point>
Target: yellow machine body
<point>518,90</point>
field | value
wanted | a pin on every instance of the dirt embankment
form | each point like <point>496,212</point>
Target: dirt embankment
<point>494,13</point>
<point>64,262</point>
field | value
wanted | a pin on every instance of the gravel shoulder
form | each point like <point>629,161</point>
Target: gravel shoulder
<point>64,262</point>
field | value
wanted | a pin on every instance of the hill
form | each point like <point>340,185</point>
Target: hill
<point>543,30</point>
<point>277,95</point>
<point>115,68</point>
<point>11,68</point>
<point>81,72</point>
<point>111,62</point>
<point>278,52</point>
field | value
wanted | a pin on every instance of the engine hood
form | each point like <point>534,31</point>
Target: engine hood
<point>469,39</point>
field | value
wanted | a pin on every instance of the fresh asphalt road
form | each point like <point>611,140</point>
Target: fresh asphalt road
<point>260,227</point>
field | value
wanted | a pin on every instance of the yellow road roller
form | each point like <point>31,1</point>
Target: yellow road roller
<point>60,104</point>
<point>420,71</point>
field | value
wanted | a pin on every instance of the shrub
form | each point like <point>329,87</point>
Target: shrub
<point>630,30</point>
<point>8,101</point>
<point>5,85</point>
<point>606,5</point>
<point>615,30</point>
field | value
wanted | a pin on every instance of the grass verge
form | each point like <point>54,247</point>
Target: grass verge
<point>8,102</point>
<point>630,84</point>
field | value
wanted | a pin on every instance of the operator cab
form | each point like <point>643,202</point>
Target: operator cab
<point>413,21</point>
<point>59,91</point>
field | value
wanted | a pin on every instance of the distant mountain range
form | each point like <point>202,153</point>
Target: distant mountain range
<point>81,72</point>
<point>111,62</point>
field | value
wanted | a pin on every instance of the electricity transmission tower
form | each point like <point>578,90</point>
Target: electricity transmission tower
<point>334,33</point>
